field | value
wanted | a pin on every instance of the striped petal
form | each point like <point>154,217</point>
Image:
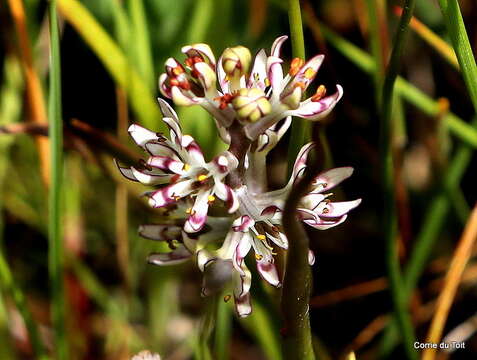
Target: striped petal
<point>142,135</point>
<point>160,232</point>
<point>198,217</point>
<point>329,179</point>
<point>336,209</point>
<point>170,194</point>
<point>317,110</point>
<point>177,256</point>
<point>167,164</point>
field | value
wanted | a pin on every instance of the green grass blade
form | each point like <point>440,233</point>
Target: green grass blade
<point>262,329</point>
<point>300,129</point>
<point>141,44</point>
<point>389,218</point>
<point>55,238</point>
<point>460,41</point>
<point>409,92</point>
<point>114,60</point>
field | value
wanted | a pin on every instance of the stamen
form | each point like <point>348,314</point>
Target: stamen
<point>309,73</point>
<point>211,198</point>
<point>188,211</point>
<point>320,93</point>
<point>201,177</point>
<point>177,70</point>
<point>186,167</point>
<point>227,298</point>
<point>295,66</point>
<point>261,237</point>
<point>267,82</point>
<point>258,257</point>
<point>300,84</point>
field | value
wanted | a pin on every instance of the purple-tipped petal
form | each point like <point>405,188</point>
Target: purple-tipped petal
<point>300,162</point>
<point>201,50</point>
<point>141,135</point>
<point>277,45</point>
<point>222,77</point>
<point>167,110</point>
<point>170,194</point>
<point>207,78</point>
<point>317,110</point>
<point>330,178</point>
<point>125,171</point>
<point>181,98</point>
<point>160,232</point>
<point>258,74</point>
<point>280,240</point>
<point>275,74</point>
<point>243,306</point>
<point>167,163</point>
<point>178,256</point>
<point>193,149</point>
<point>322,224</point>
<point>243,223</point>
<point>268,271</point>
<point>147,177</point>
<point>164,88</point>
<point>223,164</point>
<point>198,216</point>
<point>312,200</point>
<point>160,148</point>
<point>308,71</point>
<point>336,209</point>
<point>227,194</point>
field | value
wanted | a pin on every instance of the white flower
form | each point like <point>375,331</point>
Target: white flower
<point>258,98</point>
<point>179,162</point>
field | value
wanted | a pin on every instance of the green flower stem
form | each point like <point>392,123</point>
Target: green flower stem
<point>297,283</point>
<point>55,253</point>
<point>300,129</point>
<point>223,330</point>
<point>387,177</point>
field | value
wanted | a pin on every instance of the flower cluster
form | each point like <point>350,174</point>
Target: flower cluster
<point>252,105</point>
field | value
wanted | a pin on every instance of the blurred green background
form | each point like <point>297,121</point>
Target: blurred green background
<point>112,53</point>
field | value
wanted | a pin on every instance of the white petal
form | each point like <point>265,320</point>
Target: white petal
<point>141,135</point>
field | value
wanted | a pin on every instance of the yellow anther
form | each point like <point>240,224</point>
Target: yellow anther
<point>211,198</point>
<point>310,73</point>
<point>186,167</point>
<point>188,211</point>
<point>258,257</point>
<point>261,237</point>
<point>320,93</point>
<point>227,298</point>
<point>295,66</point>
<point>267,82</point>
<point>201,177</point>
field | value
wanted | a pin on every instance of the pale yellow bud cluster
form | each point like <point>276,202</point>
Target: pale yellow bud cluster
<point>251,104</point>
<point>236,61</point>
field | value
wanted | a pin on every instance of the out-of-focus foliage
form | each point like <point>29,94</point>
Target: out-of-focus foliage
<point>112,53</point>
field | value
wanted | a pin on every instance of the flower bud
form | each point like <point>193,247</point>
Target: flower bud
<point>251,104</point>
<point>236,61</point>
